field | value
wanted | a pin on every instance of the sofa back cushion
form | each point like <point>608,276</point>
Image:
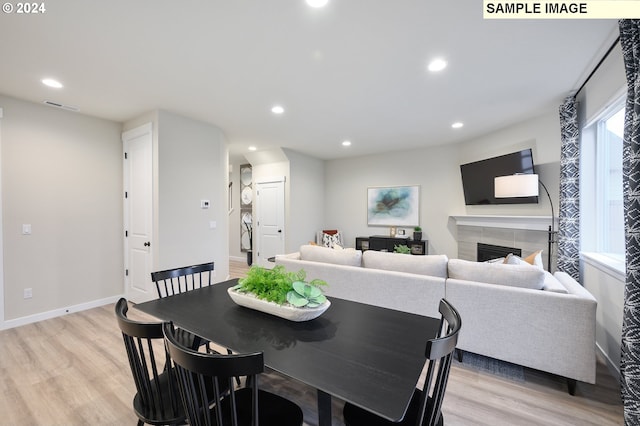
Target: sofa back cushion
<point>524,276</point>
<point>349,257</point>
<point>433,265</point>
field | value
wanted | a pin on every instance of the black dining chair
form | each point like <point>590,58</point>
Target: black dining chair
<point>425,408</point>
<point>242,406</point>
<point>157,400</point>
<point>179,280</point>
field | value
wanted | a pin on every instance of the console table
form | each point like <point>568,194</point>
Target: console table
<point>384,243</point>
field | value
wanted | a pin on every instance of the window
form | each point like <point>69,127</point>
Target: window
<point>609,173</point>
<point>601,188</point>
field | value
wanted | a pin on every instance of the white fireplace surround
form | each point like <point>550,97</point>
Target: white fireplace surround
<point>532,223</point>
<point>528,233</point>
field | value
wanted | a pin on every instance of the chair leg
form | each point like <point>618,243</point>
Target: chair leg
<point>571,383</point>
<point>459,354</point>
<point>140,423</point>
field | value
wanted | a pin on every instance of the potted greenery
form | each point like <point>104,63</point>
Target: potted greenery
<point>279,292</point>
<point>417,233</point>
<point>402,248</point>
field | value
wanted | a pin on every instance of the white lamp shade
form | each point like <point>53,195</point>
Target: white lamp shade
<point>519,185</point>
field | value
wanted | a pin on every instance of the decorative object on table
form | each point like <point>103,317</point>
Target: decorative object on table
<point>393,231</point>
<point>279,292</point>
<point>526,185</point>
<point>393,206</point>
<point>402,248</point>
<point>417,233</point>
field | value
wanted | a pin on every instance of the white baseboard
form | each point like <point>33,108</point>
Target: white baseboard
<point>613,369</point>
<point>58,312</point>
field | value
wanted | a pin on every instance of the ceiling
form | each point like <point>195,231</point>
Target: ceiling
<point>354,70</point>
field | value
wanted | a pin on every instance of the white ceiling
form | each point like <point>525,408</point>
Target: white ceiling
<point>354,70</point>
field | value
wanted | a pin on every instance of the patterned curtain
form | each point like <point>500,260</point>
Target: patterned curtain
<point>630,364</point>
<point>569,214</point>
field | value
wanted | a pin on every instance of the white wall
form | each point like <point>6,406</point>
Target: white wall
<point>61,173</point>
<point>305,204</point>
<point>192,166</point>
<point>437,170</point>
<point>605,86</point>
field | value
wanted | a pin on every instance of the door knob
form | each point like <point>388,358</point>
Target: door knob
<point>147,244</point>
<point>280,230</point>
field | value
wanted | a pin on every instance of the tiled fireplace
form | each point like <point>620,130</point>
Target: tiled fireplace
<point>526,233</point>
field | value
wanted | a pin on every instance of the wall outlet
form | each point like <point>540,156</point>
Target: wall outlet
<point>204,204</point>
<point>28,293</point>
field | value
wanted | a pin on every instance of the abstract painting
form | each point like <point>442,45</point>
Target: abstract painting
<point>393,206</point>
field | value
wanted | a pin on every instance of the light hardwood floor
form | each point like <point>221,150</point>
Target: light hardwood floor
<point>73,370</point>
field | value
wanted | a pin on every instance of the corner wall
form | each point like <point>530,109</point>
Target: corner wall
<point>62,174</point>
<point>437,170</point>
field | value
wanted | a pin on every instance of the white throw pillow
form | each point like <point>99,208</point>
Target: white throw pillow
<point>535,260</point>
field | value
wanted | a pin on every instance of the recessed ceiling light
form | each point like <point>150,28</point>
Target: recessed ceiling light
<point>317,3</point>
<point>457,125</point>
<point>52,83</point>
<point>346,143</point>
<point>277,109</point>
<point>437,64</point>
<point>252,148</point>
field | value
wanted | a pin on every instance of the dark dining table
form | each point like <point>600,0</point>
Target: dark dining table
<point>369,356</point>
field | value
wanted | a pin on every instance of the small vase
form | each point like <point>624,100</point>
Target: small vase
<point>417,236</point>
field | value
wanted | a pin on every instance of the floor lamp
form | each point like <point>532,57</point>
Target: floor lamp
<point>525,185</point>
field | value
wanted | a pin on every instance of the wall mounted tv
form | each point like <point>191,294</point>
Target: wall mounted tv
<point>477,177</point>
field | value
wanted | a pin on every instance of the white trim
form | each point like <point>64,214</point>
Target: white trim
<point>59,312</point>
<point>529,223</point>
<point>272,179</point>
<point>606,264</point>
<point>2,321</point>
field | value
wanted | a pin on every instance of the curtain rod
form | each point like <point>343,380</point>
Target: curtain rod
<point>598,65</point>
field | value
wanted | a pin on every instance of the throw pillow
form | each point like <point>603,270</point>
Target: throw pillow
<point>329,240</point>
<point>536,257</point>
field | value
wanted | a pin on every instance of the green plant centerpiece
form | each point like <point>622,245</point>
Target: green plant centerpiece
<point>282,293</point>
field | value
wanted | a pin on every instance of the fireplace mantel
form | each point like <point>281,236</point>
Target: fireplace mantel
<point>530,223</point>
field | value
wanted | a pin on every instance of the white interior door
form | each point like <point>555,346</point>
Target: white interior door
<point>270,221</point>
<point>138,217</point>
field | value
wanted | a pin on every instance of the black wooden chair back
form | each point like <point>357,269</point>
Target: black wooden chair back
<point>179,280</point>
<point>157,400</point>
<point>197,371</point>
<point>425,408</point>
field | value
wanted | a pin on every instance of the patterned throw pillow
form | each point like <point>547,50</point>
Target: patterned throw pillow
<point>329,240</point>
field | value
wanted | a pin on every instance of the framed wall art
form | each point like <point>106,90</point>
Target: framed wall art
<point>393,206</point>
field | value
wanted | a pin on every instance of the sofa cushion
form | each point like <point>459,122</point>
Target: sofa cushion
<point>348,257</point>
<point>432,265</point>
<point>552,284</point>
<point>524,276</point>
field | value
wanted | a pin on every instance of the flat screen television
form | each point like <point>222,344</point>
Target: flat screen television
<point>478,177</point>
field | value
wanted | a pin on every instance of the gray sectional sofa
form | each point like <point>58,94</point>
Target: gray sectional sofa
<point>516,313</point>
